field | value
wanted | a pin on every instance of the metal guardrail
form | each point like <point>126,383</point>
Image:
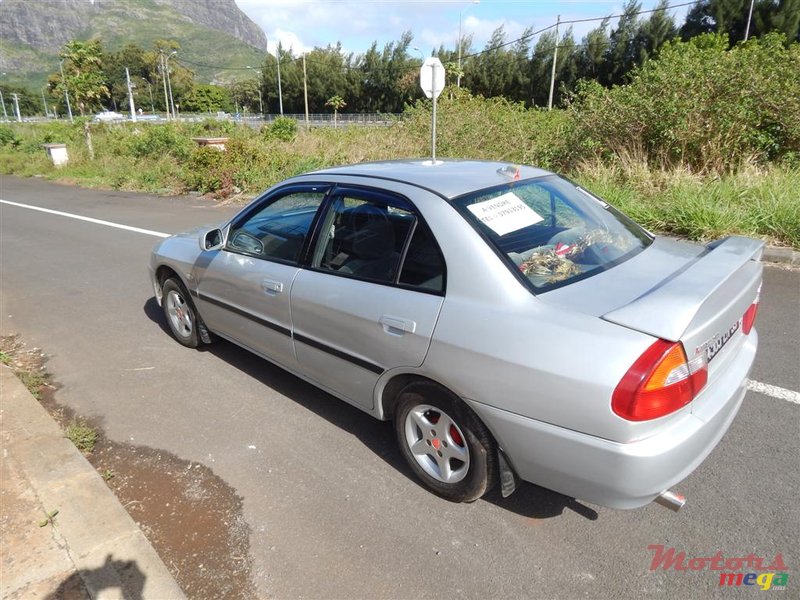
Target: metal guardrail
<point>254,120</point>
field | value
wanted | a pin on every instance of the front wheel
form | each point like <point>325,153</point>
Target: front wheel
<point>180,313</point>
<point>445,443</point>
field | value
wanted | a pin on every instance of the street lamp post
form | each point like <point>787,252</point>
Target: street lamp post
<point>164,81</point>
<point>260,98</point>
<point>460,41</point>
<point>169,82</point>
<point>150,89</point>
<point>66,93</point>
<point>280,93</point>
<point>44,103</point>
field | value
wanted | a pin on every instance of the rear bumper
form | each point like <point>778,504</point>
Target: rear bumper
<point>614,474</point>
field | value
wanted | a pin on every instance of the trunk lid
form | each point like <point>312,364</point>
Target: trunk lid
<point>678,292</point>
<point>701,305</point>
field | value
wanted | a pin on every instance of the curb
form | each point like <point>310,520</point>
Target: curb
<point>781,256</point>
<point>92,526</point>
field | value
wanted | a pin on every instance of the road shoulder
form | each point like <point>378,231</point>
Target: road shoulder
<point>92,547</point>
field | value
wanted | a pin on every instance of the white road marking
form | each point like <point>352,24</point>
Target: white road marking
<point>755,386</point>
<point>774,391</point>
<point>88,219</point>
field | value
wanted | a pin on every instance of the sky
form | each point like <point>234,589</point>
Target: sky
<point>304,24</point>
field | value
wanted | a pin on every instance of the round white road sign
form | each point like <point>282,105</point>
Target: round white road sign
<point>431,77</point>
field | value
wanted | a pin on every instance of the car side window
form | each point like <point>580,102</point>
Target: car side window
<point>423,266</point>
<point>279,229</point>
<point>363,236</point>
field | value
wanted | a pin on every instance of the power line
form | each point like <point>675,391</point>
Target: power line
<point>522,38</point>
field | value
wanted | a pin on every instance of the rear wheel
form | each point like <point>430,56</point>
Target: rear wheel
<point>180,313</point>
<point>445,443</point>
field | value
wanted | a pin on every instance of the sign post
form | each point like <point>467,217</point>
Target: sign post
<point>431,80</point>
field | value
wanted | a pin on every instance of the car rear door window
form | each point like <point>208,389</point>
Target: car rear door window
<point>363,236</point>
<point>372,235</point>
<point>278,229</point>
<point>423,266</point>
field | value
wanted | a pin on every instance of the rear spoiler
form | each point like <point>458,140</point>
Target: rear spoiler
<point>681,295</point>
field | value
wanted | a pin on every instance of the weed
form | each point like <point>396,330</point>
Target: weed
<point>49,518</point>
<point>83,436</point>
<point>107,474</point>
<point>5,358</point>
<point>34,382</point>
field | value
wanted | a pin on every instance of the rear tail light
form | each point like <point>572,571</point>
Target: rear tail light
<point>660,382</point>
<point>749,317</point>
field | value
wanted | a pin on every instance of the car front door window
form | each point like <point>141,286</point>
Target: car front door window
<point>278,230</point>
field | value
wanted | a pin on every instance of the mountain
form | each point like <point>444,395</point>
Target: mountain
<point>214,35</point>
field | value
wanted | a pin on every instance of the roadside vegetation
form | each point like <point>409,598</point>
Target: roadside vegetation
<point>702,142</point>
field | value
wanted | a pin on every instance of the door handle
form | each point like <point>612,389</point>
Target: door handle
<point>272,288</point>
<point>397,325</point>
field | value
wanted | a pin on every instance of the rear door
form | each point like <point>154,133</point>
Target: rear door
<point>370,298</point>
<point>243,292</point>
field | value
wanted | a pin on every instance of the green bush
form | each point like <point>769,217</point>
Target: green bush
<point>8,137</point>
<point>698,106</point>
<point>282,128</point>
<point>203,170</point>
<point>159,140</point>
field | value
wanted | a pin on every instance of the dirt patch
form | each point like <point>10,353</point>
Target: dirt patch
<point>191,516</point>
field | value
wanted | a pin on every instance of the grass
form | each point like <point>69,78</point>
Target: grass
<point>755,201</point>
<point>34,382</point>
<point>83,436</point>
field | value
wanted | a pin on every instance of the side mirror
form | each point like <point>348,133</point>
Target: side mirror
<point>211,240</point>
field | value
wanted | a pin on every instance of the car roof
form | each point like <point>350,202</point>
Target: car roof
<point>449,178</point>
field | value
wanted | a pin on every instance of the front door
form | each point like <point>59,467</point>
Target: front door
<point>244,290</point>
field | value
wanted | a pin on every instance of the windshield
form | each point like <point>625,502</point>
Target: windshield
<point>551,230</point>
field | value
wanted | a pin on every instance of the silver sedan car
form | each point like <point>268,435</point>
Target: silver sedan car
<point>509,322</point>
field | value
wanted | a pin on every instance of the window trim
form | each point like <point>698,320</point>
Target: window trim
<point>269,198</point>
<point>390,198</point>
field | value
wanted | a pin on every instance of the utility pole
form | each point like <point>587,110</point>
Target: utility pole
<point>130,95</point>
<point>44,103</point>
<point>150,89</point>
<point>66,93</point>
<point>460,42</point>
<point>749,18</point>
<point>280,93</point>
<point>16,107</point>
<point>458,77</point>
<point>169,83</point>
<point>553,71</point>
<point>305,88</point>
<point>164,81</point>
<point>3,102</point>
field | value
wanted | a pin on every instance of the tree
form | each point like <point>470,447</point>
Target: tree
<point>337,103</point>
<point>83,72</point>
<point>133,58</point>
<point>655,32</point>
<point>29,102</point>
<point>730,17</point>
<point>247,93</point>
<point>207,98</point>
<point>622,56</point>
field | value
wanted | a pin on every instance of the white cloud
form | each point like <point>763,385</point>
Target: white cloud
<point>288,40</point>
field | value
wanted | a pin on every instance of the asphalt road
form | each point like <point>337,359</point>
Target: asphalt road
<point>332,508</point>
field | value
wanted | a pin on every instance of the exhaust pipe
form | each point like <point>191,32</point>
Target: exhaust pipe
<point>671,500</point>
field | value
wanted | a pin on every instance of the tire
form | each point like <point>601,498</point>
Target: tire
<point>444,443</point>
<point>180,313</point>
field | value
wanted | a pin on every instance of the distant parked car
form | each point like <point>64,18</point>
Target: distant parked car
<point>510,322</point>
<point>108,115</point>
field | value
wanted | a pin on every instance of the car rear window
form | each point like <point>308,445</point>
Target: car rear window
<point>551,230</point>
